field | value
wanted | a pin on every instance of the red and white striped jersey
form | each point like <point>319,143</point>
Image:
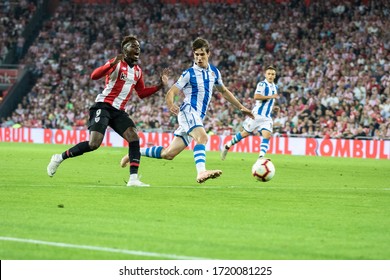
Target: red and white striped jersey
<point>120,81</point>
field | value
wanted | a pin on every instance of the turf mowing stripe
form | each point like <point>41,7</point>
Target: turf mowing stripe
<point>96,248</point>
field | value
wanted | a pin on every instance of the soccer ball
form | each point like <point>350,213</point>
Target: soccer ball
<point>263,170</point>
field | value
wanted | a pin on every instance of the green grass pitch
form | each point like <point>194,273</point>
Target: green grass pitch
<point>315,208</point>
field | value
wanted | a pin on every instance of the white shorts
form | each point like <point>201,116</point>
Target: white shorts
<point>260,123</point>
<point>188,119</point>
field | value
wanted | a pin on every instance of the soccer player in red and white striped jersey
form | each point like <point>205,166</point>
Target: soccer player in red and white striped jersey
<point>122,75</point>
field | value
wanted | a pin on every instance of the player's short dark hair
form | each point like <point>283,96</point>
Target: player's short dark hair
<point>200,43</point>
<point>270,68</point>
<point>128,39</point>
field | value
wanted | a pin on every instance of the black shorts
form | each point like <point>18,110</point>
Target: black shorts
<point>103,114</point>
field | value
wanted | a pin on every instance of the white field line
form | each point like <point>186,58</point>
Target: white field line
<point>97,248</point>
<point>259,185</point>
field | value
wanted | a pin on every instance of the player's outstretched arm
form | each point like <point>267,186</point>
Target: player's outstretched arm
<point>143,91</point>
<point>228,95</point>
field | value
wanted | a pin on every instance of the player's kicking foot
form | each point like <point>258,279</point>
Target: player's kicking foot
<point>53,164</point>
<point>208,174</point>
<point>125,161</point>
<point>262,157</point>
<point>135,182</point>
<point>224,152</point>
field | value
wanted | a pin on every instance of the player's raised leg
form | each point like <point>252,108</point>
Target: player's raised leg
<point>237,138</point>
<point>77,150</point>
<point>153,152</point>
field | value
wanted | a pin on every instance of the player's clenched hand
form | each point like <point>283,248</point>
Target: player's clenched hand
<point>174,109</point>
<point>118,58</point>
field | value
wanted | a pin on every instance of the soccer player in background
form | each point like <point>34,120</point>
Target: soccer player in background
<point>265,95</point>
<point>197,84</point>
<point>122,75</point>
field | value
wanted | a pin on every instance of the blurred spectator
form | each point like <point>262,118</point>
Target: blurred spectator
<point>14,16</point>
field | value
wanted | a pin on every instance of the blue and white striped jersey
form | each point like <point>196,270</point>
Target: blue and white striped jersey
<point>197,85</point>
<point>264,107</point>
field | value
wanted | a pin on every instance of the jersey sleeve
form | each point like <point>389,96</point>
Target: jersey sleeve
<point>260,89</point>
<point>218,79</point>
<point>102,71</point>
<point>183,80</point>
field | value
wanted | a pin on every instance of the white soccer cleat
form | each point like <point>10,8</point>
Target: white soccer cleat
<point>135,182</point>
<point>224,153</point>
<point>53,164</point>
<point>208,174</point>
<point>124,161</point>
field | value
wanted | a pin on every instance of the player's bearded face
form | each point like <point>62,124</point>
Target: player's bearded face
<point>201,58</point>
<point>131,51</point>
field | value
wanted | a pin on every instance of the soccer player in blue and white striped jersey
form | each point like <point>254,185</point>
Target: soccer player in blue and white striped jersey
<point>265,95</point>
<point>197,84</point>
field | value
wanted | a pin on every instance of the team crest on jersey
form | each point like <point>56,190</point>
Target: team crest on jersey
<point>123,76</point>
<point>97,119</point>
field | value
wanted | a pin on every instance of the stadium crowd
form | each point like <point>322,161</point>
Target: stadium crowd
<point>14,16</point>
<point>333,60</point>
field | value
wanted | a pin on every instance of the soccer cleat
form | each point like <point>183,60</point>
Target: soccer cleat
<point>208,174</point>
<point>53,165</point>
<point>136,183</point>
<point>124,161</point>
<point>224,153</point>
